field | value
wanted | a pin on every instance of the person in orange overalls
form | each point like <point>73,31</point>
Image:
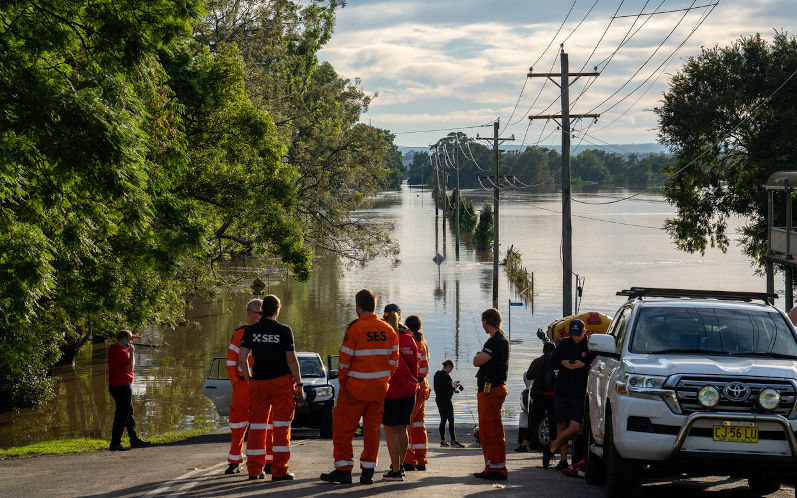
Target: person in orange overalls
<point>274,380</point>
<point>416,453</point>
<point>493,363</point>
<point>368,357</point>
<point>239,409</point>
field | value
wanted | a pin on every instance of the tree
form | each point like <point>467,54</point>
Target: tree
<point>483,235</point>
<point>588,167</point>
<point>730,116</point>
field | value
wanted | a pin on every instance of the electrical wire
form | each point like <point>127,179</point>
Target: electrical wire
<point>749,115</point>
<point>666,11</point>
<point>443,129</point>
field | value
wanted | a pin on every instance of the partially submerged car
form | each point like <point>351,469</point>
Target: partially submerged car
<point>320,387</point>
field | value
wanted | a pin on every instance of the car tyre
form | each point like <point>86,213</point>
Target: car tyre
<point>623,476</point>
<point>325,423</point>
<point>595,472</point>
<point>763,485</point>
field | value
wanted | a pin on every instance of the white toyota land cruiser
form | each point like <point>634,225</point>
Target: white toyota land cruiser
<point>695,382</point>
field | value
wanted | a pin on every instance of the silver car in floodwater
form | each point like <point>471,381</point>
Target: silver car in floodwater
<point>320,387</point>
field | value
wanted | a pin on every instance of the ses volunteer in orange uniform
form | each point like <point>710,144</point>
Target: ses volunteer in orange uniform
<point>239,409</point>
<point>416,453</point>
<point>368,357</point>
<point>274,371</point>
<point>493,363</point>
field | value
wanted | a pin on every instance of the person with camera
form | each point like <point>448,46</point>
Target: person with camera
<point>543,379</point>
<point>444,389</point>
<point>121,362</point>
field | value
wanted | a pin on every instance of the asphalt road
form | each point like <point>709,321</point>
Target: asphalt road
<point>195,468</point>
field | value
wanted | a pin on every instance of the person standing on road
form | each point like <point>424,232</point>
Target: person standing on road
<point>400,397</point>
<point>368,357</point>
<point>121,362</point>
<point>573,360</point>
<point>416,454</point>
<point>541,373</point>
<point>493,364</point>
<point>274,381</point>
<point>239,409</point>
<point>444,389</point>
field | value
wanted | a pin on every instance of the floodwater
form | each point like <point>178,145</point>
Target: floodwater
<point>615,246</point>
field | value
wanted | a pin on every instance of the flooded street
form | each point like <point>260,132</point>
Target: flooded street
<point>614,246</point>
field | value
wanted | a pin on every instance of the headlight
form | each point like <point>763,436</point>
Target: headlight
<point>769,399</point>
<point>324,391</point>
<point>631,384</point>
<point>708,396</point>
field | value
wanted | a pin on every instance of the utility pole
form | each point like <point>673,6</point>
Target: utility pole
<point>436,182</point>
<point>496,179</point>
<point>565,119</point>
<point>445,198</point>
<point>459,194</point>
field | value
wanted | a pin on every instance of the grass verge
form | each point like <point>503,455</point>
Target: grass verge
<point>88,445</point>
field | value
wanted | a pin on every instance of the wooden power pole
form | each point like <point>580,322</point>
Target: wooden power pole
<point>564,122</point>
<point>496,185</point>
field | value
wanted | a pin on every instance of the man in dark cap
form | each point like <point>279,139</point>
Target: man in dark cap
<point>573,360</point>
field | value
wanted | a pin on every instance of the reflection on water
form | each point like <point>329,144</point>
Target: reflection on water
<point>614,246</point>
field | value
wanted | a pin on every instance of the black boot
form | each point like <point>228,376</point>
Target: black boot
<point>367,476</point>
<point>339,476</point>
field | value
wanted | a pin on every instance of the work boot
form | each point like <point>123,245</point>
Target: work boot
<point>480,475</point>
<point>234,468</point>
<point>339,476</point>
<point>262,475</point>
<point>409,467</point>
<point>118,447</point>
<point>420,467</point>
<point>495,476</point>
<point>289,476</point>
<point>522,449</point>
<point>267,468</point>
<point>367,476</point>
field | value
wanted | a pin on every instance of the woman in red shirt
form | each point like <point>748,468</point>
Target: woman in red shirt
<point>400,397</point>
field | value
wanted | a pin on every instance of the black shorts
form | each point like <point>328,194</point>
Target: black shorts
<point>567,409</point>
<point>398,411</point>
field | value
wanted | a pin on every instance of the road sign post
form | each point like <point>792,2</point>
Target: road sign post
<point>510,316</point>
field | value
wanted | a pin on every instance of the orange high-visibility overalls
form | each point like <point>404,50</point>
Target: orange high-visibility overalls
<point>416,451</point>
<point>368,357</point>
<point>239,409</point>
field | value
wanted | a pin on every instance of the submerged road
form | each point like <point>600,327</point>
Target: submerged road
<point>195,468</point>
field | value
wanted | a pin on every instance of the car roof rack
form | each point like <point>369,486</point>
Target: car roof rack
<point>638,292</point>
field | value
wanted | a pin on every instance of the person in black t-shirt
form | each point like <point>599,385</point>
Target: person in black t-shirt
<point>274,381</point>
<point>573,359</point>
<point>493,363</point>
<point>541,373</point>
<point>444,389</point>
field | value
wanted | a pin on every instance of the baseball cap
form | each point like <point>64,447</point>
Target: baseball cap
<point>392,307</point>
<point>576,327</point>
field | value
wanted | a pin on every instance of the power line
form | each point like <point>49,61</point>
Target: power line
<point>595,219</point>
<point>667,11</point>
<point>602,36</point>
<point>705,149</point>
<point>580,22</point>
<point>442,129</point>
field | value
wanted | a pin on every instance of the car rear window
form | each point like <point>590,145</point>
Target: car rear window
<point>663,329</point>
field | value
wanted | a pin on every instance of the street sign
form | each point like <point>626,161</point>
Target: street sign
<point>269,269</point>
<point>438,259</point>
<point>515,304</point>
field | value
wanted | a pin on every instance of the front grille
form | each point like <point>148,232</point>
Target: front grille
<point>687,387</point>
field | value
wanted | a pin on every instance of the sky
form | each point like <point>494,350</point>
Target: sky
<point>442,64</point>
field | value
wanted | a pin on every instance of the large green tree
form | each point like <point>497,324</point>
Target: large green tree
<point>730,117</point>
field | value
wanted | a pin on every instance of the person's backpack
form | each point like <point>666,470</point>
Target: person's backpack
<point>548,379</point>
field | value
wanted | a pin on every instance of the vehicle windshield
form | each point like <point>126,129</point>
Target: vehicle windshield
<point>724,331</point>
<point>311,367</point>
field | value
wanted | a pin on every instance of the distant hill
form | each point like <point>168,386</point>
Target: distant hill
<point>641,149</point>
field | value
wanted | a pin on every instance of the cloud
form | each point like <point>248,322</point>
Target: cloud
<point>452,64</point>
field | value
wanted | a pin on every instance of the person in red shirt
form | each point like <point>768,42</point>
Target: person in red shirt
<point>400,397</point>
<point>121,361</point>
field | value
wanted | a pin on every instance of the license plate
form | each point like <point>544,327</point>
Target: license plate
<point>736,433</point>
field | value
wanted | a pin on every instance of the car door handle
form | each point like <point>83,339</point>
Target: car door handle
<point>210,387</point>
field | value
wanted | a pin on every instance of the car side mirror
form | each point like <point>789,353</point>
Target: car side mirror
<point>333,374</point>
<point>602,344</point>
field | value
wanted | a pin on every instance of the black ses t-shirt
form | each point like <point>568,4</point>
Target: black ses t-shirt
<point>494,371</point>
<point>571,383</point>
<point>268,340</point>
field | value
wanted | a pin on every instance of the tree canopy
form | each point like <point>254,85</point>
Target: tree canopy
<point>730,117</point>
